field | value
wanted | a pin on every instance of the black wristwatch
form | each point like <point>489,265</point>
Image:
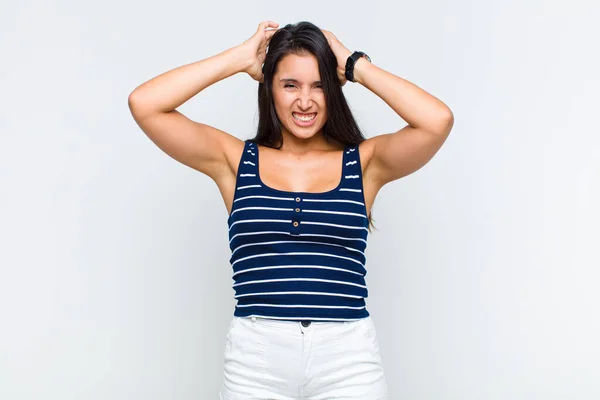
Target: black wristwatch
<point>350,64</point>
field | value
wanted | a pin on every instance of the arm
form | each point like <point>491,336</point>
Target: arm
<point>429,123</point>
<point>194,144</point>
<point>392,156</point>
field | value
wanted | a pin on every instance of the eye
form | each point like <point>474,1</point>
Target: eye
<point>288,85</point>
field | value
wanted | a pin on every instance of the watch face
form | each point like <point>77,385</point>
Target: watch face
<point>367,57</point>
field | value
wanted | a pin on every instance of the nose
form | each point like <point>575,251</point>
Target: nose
<point>304,100</point>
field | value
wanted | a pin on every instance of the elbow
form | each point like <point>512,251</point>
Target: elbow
<point>133,100</point>
<point>138,105</point>
<point>441,124</point>
<point>450,119</point>
<point>446,122</point>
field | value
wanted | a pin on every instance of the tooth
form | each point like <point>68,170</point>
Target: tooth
<point>303,118</point>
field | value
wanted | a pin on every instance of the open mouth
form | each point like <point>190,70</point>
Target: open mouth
<point>304,119</point>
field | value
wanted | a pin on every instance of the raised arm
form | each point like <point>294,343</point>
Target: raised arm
<point>394,155</point>
<point>202,147</point>
<point>430,121</point>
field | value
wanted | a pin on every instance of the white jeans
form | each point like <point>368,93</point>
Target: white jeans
<point>268,359</point>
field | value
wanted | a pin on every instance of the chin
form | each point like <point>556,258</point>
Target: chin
<point>304,135</point>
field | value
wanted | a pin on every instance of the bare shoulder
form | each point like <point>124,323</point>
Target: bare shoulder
<point>233,149</point>
<point>221,154</point>
<point>392,156</point>
<point>366,150</point>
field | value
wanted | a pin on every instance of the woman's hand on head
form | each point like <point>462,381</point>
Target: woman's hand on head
<point>255,49</point>
<point>341,55</point>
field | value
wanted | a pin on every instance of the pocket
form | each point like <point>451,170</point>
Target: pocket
<point>244,358</point>
<point>228,337</point>
<point>371,337</point>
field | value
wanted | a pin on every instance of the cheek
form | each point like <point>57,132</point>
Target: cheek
<point>282,108</point>
<point>323,108</point>
<point>282,102</point>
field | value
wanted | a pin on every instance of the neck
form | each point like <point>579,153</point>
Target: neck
<point>296,145</point>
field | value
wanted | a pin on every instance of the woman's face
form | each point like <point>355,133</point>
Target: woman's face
<point>298,96</point>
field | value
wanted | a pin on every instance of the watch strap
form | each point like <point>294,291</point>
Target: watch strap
<point>349,72</point>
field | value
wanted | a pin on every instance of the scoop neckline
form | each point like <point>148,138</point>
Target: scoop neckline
<point>259,178</point>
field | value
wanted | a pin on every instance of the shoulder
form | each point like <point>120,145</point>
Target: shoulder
<point>366,150</point>
<point>234,150</point>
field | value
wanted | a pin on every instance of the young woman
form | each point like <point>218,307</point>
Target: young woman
<point>299,197</point>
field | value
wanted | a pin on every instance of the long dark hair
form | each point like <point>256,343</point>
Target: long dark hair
<point>300,39</point>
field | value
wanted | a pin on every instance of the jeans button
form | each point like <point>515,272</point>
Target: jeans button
<point>305,323</point>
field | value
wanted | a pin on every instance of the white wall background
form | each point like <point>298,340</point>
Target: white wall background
<point>483,275</point>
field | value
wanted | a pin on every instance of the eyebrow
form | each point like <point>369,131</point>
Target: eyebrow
<point>291,80</point>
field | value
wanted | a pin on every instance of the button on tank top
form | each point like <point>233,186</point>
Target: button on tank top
<point>299,255</point>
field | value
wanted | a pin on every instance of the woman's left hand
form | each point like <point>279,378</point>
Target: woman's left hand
<point>341,54</point>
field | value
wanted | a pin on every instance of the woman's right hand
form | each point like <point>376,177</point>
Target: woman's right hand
<point>256,48</point>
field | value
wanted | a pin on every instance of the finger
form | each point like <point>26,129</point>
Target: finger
<point>268,24</point>
<point>326,33</point>
<point>270,32</point>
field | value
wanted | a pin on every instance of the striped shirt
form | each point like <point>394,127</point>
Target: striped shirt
<point>299,255</point>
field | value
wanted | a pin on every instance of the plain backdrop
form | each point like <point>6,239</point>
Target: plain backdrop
<point>483,273</point>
